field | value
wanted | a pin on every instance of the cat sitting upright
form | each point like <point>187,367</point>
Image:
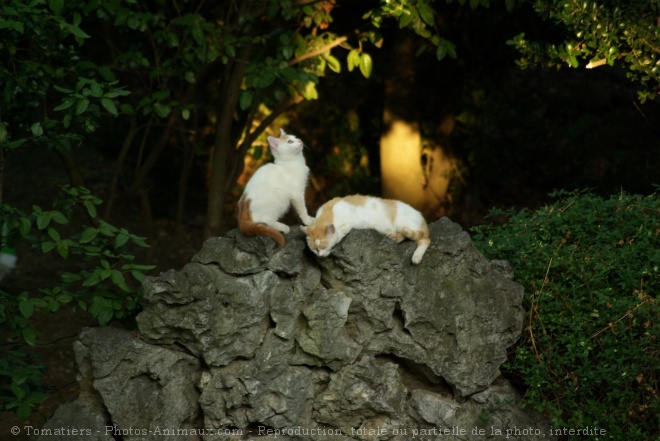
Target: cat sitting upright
<point>273,189</point>
<point>394,219</point>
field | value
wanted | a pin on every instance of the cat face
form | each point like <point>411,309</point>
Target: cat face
<point>285,145</point>
<point>321,240</point>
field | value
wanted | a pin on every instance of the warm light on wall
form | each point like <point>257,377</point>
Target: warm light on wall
<point>403,174</point>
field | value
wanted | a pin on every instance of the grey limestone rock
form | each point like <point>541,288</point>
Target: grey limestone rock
<point>251,340</point>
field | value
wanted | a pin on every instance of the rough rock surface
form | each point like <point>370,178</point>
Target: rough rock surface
<point>253,340</point>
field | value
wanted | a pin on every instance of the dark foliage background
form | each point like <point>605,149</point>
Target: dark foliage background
<point>125,124</point>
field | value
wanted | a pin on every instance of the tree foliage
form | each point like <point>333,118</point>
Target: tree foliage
<point>157,75</point>
<point>614,32</point>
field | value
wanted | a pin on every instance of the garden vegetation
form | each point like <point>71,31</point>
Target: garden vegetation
<point>589,353</point>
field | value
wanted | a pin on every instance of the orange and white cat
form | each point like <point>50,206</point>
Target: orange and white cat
<point>273,189</point>
<point>394,219</point>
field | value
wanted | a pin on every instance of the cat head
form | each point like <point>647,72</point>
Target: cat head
<point>285,145</point>
<point>321,239</point>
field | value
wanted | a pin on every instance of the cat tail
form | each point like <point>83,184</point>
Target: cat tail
<point>251,228</point>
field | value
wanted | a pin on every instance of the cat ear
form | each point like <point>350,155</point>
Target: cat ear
<point>274,142</point>
<point>330,229</point>
<point>282,132</point>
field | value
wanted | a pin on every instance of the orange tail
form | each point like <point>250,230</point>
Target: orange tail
<point>250,228</point>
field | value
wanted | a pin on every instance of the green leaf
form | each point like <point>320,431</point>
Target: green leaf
<point>18,391</point>
<point>441,52</point>
<point>36,397</point>
<point>333,63</point>
<point>353,59</point>
<point>18,377</point>
<point>118,279</point>
<point>96,89</point>
<point>89,235</point>
<point>105,273</point>
<point>47,246</point>
<point>62,89</point>
<point>38,302</point>
<point>101,310</point>
<point>26,308</point>
<point>77,32</point>
<point>310,92</point>
<point>93,279</point>
<point>30,336</point>
<point>24,226</point>
<point>91,208</point>
<point>54,234</point>
<point>82,106</point>
<point>66,103</point>
<point>63,248</point>
<point>405,19</point>
<point>138,275</point>
<point>366,65</point>
<point>15,144</point>
<point>64,298</point>
<point>139,241</point>
<point>162,110</point>
<point>43,219</point>
<point>426,12</point>
<point>56,6</point>
<point>246,100</point>
<point>59,217</point>
<point>4,134</point>
<point>36,129</point>
<point>70,277</point>
<point>121,240</point>
<point>109,105</point>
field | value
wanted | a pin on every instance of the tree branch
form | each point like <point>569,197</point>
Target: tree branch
<point>318,51</point>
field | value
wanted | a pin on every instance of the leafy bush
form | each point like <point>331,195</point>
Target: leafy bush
<point>589,353</point>
<point>99,260</point>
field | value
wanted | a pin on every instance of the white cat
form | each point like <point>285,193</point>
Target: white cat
<point>394,219</point>
<point>273,189</point>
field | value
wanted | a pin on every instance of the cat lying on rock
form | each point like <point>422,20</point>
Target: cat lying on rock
<point>395,219</point>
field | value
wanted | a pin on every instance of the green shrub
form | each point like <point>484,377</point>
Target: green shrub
<point>589,352</point>
<point>103,279</point>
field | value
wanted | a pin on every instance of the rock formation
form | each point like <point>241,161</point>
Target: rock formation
<point>251,340</point>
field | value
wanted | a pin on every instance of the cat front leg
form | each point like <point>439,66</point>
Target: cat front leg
<point>299,205</point>
<point>279,226</point>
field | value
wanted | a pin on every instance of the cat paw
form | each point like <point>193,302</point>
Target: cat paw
<point>309,221</point>
<point>284,229</point>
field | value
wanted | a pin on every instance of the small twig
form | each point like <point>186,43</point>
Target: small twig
<point>594,64</point>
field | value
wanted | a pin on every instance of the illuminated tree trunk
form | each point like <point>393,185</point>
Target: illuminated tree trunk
<point>413,170</point>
